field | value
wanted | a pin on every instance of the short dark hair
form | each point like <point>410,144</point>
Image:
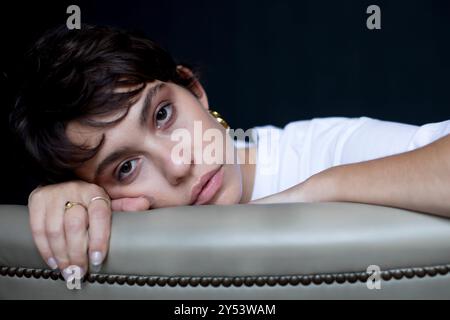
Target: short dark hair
<point>72,75</point>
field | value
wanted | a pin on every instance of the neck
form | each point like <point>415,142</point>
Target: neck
<point>247,158</point>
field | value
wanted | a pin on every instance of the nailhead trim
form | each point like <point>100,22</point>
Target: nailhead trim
<point>248,281</point>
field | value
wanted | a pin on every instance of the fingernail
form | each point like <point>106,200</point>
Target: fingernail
<point>95,262</point>
<point>52,263</point>
<point>95,268</point>
<point>66,273</point>
<point>70,271</point>
<point>96,258</point>
<point>82,272</point>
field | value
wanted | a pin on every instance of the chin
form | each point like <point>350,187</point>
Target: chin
<point>228,197</point>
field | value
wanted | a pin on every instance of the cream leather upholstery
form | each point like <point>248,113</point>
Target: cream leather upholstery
<point>278,251</point>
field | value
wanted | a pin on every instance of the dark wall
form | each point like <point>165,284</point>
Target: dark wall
<point>267,61</point>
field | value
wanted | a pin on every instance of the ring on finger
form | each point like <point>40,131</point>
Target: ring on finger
<point>70,204</point>
<point>108,202</point>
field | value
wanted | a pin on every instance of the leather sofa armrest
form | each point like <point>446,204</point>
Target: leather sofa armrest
<point>255,241</point>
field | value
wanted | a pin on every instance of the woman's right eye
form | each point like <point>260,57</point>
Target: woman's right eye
<point>126,169</point>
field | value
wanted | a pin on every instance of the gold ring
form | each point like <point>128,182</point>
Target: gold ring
<point>70,204</point>
<point>108,202</point>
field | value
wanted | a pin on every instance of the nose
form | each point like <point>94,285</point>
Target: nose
<point>174,170</point>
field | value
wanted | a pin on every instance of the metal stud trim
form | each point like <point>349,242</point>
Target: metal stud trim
<point>238,281</point>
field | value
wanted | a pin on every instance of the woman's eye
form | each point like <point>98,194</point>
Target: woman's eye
<point>126,169</point>
<point>163,115</point>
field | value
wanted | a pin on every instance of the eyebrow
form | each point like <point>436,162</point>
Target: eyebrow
<point>152,92</point>
<point>111,158</point>
<point>119,153</point>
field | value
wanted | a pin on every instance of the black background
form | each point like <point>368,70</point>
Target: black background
<point>263,62</point>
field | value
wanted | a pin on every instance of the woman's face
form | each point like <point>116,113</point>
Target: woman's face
<point>137,157</point>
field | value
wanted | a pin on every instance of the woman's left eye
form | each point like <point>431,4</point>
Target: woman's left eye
<point>163,115</point>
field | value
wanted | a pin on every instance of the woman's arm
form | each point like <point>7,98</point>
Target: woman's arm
<point>417,180</point>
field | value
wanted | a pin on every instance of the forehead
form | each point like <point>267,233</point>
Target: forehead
<point>85,135</point>
<point>88,136</point>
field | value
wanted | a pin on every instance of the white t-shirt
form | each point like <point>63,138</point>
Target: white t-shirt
<point>288,156</point>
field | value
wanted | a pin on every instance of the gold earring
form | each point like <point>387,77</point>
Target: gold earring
<point>219,119</point>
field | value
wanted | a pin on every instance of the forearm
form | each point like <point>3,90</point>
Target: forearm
<point>416,180</point>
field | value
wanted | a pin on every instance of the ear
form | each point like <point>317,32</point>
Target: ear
<point>196,88</point>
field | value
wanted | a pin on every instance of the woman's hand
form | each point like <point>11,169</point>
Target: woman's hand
<point>78,235</point>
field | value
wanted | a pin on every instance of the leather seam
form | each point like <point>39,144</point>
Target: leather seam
<point>236,281</point>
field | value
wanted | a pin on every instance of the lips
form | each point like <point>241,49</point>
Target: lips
<point>204,190</point>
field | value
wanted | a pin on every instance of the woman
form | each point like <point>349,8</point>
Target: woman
<point>111,118</point>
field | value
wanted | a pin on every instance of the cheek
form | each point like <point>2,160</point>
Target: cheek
<point>150,179</point>
<point>148,190</point>
<point>232,191</point>
<point>192,111</point>
<point>149,182</point>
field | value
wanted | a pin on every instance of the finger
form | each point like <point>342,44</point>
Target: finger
<point>54,226</point>
<point>99,213</point>
<point>75,227</point>
<point>36,209</point>
<point>131,204</point>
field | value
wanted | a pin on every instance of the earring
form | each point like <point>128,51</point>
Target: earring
<point>219,119</point>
